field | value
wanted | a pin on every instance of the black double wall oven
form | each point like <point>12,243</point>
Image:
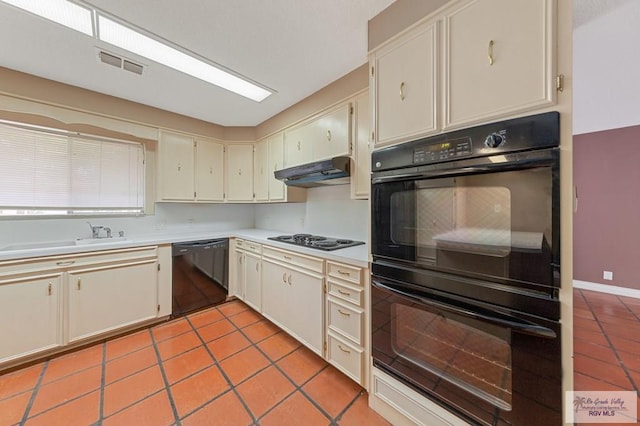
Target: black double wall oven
<point>466,269</point>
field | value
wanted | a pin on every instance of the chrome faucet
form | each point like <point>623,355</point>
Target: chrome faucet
<point>95,231</point>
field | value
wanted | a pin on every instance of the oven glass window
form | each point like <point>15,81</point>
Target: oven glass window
<point>496,224</point>
<point>469,354</point>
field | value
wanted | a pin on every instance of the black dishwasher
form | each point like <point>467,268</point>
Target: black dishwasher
<point>200,275</point>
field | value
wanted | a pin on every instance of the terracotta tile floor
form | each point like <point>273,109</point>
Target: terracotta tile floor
<point>223,366</point>
<point>606,342</point>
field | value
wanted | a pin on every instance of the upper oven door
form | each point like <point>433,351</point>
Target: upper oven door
<point>494,218</point>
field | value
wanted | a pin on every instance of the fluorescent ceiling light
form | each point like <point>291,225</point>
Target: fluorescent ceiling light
<point>61,11</point>
<point>126,38</point>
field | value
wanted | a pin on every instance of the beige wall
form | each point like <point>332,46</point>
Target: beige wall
<point>397,17</point>
<point>26,86</point>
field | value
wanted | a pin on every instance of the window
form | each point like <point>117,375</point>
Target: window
<point>50,172</point>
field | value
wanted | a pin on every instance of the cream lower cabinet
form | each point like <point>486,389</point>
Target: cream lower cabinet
<point>236,268</point>
<point>346,320</point>
<point>53,302</point>
<point>30,318</point>
<point>292,295</point>
<point>104,298</point>
<point>253,275</point>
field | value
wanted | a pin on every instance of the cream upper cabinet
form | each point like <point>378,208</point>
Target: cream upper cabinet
<point>30,314</point>
<point>332,133</point>
<point>276,162</point>
<point>209,177</point>
<point>239,172</point>
<point>190,169</point>
<point>405,81</point>
<point>361,174</point>
<point>298,145</point>
<point>176,167</point>
<point>498,59</point>
<point>261,170</point>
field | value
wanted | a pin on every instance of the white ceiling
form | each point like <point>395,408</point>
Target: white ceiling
<point>292,46</point>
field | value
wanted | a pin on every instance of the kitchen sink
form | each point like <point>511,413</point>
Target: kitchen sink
<point>66,243</point>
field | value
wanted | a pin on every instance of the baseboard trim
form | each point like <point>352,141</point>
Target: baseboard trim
<point>610,289</point>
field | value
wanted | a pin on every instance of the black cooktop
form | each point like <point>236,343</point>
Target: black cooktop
<point>316,241</point>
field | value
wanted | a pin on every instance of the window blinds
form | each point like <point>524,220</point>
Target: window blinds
<point>42,169</point>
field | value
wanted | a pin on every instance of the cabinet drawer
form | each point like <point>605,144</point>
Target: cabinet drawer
<point>74,260</point>
<point>353,274</point>
<point>239,243</point>
<point>345,320</point>
<point>308,262</point>
<point>348,358</point>
<point>253,247</point>
<point>346,292</point>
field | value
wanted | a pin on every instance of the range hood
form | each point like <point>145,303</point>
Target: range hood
<point>334,171</point>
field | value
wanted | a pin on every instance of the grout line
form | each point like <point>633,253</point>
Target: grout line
<point>232,388</point>
<point>102,382</point>
<point>35,390</point>
<point>164,378</point>
<point>613,347</point>
<point>349,405</point>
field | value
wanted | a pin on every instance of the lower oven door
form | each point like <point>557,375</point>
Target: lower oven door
<point>491,368</point>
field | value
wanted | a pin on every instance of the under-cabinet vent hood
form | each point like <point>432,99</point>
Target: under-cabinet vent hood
<point>334,171</point>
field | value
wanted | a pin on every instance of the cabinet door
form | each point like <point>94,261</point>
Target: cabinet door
<point>236,286</point>
<point>275,305</point>
<point>405,84</point>
<point>176,167</point>
<point>276,162</point>
<point>305,299</point>
<point>498,59</point>
<point>30,315</point>
<point>110,297</point>
<point>209,171</point>
<point>261,171</point>
<point>332,134</point>
<point>298,145</point>
<point>240,172</point>
<point>361,175</point>
<point>253,281</point>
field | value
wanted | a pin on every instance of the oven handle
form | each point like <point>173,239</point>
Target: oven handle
<point>532,329</point>
<point>479,168</point>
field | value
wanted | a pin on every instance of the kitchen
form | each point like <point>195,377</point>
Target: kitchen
<point>317,215</point>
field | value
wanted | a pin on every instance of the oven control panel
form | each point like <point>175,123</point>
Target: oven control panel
<point>439,151</point>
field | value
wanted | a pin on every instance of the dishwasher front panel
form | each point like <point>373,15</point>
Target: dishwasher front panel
<point>200,275</point>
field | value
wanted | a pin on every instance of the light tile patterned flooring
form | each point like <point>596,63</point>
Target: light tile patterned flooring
<point>223,366</point>
<point>606,342</point>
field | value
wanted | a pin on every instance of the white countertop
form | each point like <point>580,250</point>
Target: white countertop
<point>357,255</point>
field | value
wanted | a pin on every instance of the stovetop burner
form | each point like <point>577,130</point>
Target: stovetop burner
<point>316,241</point>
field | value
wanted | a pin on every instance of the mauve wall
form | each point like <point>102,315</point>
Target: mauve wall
<point>606,229</point>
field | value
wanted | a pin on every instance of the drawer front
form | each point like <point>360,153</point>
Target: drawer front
<point>74,260</point>
<point>253,247</point>
<point>345,320</point>
<point>308,262</point>
<point>239,243</point>
<point>346,357</point>
<point>346,292</point>
<point>349,273</point>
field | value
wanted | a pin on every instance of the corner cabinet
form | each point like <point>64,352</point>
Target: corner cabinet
<point>189,169</point>
<point>498,59</point>
<point>239,172</point>
<point>404,78</point>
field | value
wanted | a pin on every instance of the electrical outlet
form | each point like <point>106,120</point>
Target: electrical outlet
<point>607,275</point>
<point>160,226</point>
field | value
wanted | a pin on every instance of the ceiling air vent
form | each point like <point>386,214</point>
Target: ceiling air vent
<point>118,62</point>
